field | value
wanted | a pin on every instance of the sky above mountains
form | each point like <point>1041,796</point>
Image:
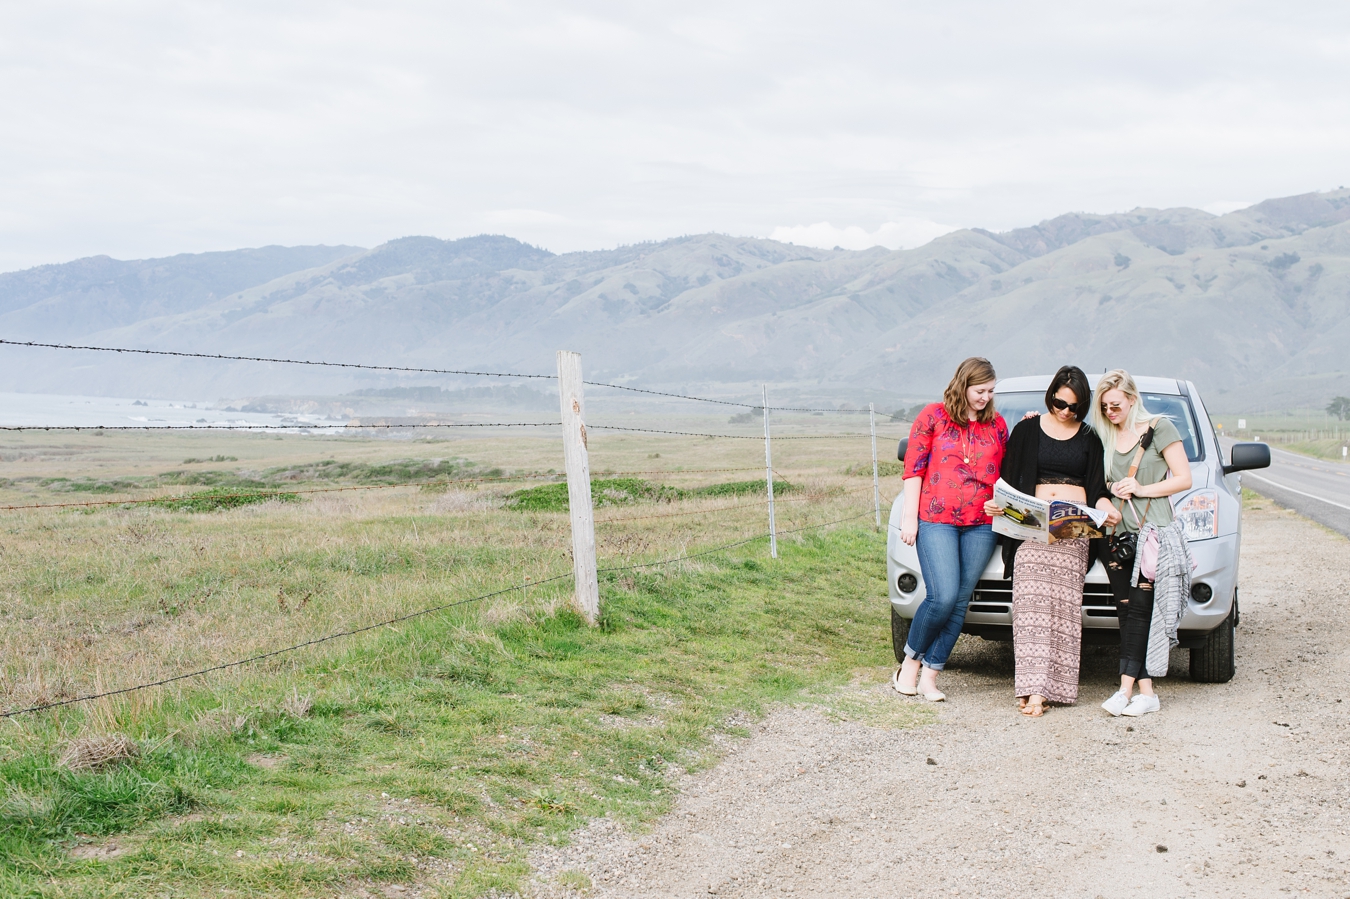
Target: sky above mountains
<point>150,128</point>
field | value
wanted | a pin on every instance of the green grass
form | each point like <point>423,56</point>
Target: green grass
<point>450,739</point>
<point>885,469</point>
<point>89,485</point>
<point>397,471</point>
<point>218,498</point>
<point>626,491</point>
<point>1328,449</point>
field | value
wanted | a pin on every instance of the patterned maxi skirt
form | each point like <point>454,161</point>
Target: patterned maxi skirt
<point>1047,617</point>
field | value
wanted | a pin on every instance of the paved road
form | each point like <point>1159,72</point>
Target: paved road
<point>1320,490</point>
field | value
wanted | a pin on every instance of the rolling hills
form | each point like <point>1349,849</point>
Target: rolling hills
<point>1254,306</point>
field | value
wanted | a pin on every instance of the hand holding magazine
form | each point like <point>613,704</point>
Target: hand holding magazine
<point>1043,520</point>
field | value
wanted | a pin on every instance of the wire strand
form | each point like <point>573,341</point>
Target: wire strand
<point>704,399</point>
<point>229,358</point>
<point>395,620</point>
<point>725,436</point>
<point>276,652</point>
<point>746,505</point>
<point>728,545</point>
<point>191,496</point>
<point>400,368</point>
<point>451,483</point>
<point>301,427</point>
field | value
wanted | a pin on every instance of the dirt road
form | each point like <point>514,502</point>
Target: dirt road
<point>1238,789</point>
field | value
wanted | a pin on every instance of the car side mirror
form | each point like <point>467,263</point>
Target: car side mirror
<point>1246,456</point>
<point>904,445</point>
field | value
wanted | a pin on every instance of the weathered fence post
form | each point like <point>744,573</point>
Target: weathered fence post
<point>578,466</point>
<point>768,476</point>
<point>876,485</point>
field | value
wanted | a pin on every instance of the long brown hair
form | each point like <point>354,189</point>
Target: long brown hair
<point>975,370</point>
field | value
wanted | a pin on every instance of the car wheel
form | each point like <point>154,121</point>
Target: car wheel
<point>899,634</point>
<point>1215,661</point>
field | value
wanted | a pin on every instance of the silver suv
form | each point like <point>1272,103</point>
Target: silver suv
<point>1211,512</point>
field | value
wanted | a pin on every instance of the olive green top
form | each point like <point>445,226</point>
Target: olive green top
<point>1152,469</point>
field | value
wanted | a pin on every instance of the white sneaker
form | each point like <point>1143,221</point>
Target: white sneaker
<point>1116,704</point>
<point>1141,705</point>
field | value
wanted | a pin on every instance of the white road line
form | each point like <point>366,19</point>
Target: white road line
<point>1299,492</point>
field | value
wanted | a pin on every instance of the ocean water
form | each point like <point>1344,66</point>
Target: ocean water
<point>52,410</point>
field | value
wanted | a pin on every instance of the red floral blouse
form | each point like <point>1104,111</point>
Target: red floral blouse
<point>958,465</point>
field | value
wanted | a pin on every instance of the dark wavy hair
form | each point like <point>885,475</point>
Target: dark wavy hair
<point>975,370</point>
<point>1072,377</point>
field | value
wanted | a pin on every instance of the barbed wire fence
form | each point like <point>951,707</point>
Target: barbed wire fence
<point>577,475</point>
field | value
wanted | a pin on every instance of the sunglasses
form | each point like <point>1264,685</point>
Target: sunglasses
<point>1112,407</point>
<point>1057,403</point>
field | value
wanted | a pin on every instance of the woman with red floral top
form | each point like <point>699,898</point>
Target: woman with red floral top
<point>955,450</point>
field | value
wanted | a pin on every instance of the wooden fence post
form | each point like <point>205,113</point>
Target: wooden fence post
<point>578,466</point>
<point>768,477</point>
<point>876,486</point>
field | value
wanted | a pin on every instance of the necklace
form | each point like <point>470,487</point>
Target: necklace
<point>965,444</point>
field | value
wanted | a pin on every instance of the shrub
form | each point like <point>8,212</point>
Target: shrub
<point>218,498</point>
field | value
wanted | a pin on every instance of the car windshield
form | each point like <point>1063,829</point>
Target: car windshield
<point>1014,405</point>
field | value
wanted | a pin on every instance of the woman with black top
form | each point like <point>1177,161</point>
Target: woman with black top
<point>1054,457</point>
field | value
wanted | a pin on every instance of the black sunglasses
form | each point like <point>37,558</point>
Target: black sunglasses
<point>1057,403</point>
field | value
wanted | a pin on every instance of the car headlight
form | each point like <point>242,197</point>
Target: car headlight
<point>1199,515</point>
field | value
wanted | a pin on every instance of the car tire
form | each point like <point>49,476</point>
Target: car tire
<point>1215,661</point>
<point>899,634</point>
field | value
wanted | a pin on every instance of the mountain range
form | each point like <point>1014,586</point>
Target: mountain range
<point>1254,306</point>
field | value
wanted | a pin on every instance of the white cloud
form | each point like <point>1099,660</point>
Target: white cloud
<point>152,127</point>
<point>1223,207</point>
<point>904,234</point>
<point>508,217</point>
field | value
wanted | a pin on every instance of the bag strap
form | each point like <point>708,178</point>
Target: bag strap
<point>1144,443</point>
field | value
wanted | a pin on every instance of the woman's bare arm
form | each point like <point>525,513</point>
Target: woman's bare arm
<point>1179,466</point>
<point>1175,456</point>
<point>909,513</point>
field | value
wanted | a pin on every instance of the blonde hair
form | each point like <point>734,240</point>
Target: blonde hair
<point>1116,379</point>
<point>975,370</point>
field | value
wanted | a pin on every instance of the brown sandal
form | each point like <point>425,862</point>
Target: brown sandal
<point>1034,709</point>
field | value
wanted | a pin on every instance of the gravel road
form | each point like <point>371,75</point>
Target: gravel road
<point>1234,790</point>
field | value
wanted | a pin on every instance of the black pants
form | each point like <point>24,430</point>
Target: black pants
<point>1135,613</point>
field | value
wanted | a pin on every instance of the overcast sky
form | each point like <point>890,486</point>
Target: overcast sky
<point>142,129</point>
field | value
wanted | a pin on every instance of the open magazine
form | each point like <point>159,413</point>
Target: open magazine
<point>1043,520</point>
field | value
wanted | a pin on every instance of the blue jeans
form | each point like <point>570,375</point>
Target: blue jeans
<point>952,558</point>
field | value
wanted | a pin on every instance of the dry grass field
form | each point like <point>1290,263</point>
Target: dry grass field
<point>495,724</point>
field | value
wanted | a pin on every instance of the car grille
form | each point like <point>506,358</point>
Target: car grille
<point>996,596</point>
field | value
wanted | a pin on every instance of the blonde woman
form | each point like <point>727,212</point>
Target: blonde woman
<point>1145,464</point>
<point>955,450</point>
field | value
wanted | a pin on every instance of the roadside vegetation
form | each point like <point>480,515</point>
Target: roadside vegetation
<point>626,491</point>
<point>323,471</point>
<point>1329,449</point>
<point>434,752</point>
<point>1311,432</point>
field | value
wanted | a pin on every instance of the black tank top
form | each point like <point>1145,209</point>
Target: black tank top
<point>1062,461</point>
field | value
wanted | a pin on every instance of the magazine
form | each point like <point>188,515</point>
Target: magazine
<point>1045,521</point>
